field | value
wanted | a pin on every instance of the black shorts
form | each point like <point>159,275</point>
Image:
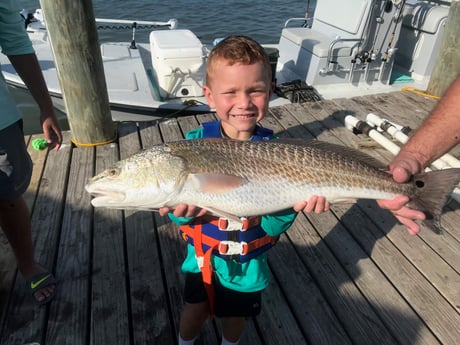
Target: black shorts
<point>15,162</point>
<point>227,302</point>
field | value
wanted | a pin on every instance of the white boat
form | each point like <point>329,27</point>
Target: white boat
<point>144,81</point>
<point>357,47</point>
<point>138,83</point>
<point>349,47</point>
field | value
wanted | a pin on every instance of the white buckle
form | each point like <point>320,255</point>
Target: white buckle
<point>200,261</point>
<point>232,224</point>
<point>233,247</point>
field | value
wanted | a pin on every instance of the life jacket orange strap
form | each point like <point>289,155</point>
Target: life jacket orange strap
<point>223,247</point>
<point>204,263</point>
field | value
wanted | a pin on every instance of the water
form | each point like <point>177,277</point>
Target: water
<point>259,19</point>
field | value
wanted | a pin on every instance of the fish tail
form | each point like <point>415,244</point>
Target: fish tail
<point>433,190</point>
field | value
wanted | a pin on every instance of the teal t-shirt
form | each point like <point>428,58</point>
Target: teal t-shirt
<point>244,277</point>
<point>13,41</point>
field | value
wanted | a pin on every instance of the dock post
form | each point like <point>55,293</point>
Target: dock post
<point>447,66</point>
<point>72,32</point>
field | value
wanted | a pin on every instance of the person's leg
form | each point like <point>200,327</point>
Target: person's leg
<point>15,174</point>
<point>232,307</point>
<point>232,328</point>
<point>196,308</point>
<point>192,319</point>
<point>15,223</point>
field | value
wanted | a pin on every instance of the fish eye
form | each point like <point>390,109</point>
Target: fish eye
<point>113,172</point>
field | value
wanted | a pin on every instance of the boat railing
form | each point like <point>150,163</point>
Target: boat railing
<point>35,22</point>
<point>171,23</point>
<point>306,21</point>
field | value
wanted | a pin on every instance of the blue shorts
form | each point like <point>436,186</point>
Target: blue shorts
<point>15,162</point>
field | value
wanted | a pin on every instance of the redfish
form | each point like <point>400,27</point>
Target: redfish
<point>248,178</point>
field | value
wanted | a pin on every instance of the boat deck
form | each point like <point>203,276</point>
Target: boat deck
<point>349,276</point>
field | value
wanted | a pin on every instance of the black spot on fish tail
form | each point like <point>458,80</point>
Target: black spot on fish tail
<point>432,192</point>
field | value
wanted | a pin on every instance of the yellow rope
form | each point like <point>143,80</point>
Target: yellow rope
<point>95,144</point>
<point>419,92</point>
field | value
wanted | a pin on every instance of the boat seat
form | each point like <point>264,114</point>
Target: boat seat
<point>333,19</point>
<point>344,18</point>
<point>316,42</point>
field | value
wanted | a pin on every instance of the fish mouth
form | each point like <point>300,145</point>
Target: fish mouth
<point>105,197</point>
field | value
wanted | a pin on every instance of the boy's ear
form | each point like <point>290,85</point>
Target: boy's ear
<point>208,94</point>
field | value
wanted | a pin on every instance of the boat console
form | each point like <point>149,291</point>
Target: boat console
<point>358,42</point>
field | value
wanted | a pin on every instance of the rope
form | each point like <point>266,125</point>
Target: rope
<point>187,104</point>
<point>95,144</point>
<point>419,92</point>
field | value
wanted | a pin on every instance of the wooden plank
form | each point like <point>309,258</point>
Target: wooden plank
<point>69,312</point>
<point>150,134</point>
<point>424,299</point>
<point>310,306</point>
<point>424,105</point>
<point>187,123</point>
<point>450,218</point>
<point>38,158</point>
<point>332,127</point>
<point>435,256</point>
<point>277,323</point>
<point>360,266</point>
<point>448,246</point>
<point>109,311</point>
<point>25,320</point>
<point>343,296</point>
<point>150,313</point>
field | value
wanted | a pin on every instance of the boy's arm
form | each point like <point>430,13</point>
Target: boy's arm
<point>277,223</point>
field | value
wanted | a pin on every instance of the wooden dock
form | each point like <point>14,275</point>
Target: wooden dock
<point>349,276</point>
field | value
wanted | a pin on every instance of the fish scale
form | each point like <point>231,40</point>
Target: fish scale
<point>234,178</point>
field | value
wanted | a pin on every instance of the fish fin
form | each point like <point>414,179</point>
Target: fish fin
<point>215,182</point>
<point>223,214</point>
<point>342,150</point>
<point>433,190</point>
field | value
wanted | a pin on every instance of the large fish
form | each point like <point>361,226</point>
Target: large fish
<point>237,178</point>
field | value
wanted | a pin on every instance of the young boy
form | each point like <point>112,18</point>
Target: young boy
<point>238,86</point>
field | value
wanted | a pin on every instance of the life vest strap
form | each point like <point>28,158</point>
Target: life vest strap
<point>225,224</point>
<point>222,247</point>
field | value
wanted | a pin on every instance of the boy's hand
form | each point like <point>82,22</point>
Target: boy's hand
<point>315,203</point>
<point>183,210</point>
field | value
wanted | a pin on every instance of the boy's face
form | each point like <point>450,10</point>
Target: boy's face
<point>240,95</point>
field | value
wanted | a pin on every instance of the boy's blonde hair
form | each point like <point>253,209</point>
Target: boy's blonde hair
<point>237,49</point>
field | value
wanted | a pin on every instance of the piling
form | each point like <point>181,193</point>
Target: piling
<point>73,35</point>
<point>447,66</point>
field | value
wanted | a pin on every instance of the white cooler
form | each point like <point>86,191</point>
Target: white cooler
<point>178,60</point>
